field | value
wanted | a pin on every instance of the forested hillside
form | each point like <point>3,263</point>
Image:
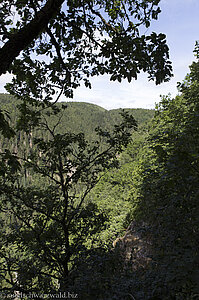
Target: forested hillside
<point>83,117</point>
<point>136,230</point>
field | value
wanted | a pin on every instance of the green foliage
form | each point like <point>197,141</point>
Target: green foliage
<point>113,192</point>
<point>156,185</point>
<point>165,194</point>
<point>30,172</point>
<point>44,213</point>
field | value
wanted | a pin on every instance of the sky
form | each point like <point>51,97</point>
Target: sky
<point>179,21</point>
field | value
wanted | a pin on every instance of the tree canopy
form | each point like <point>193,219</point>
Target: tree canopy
<point>50,46</point>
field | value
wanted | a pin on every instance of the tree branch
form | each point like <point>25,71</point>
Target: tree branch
<point>21,39</point>
<point>108,25</point>
<point>57,47</point>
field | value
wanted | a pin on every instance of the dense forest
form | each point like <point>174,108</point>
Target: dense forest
<point>136,235</point>
<point>94,204</point>
<point>82,117</point>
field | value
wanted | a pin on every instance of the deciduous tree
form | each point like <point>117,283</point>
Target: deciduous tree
<point>53,45</point>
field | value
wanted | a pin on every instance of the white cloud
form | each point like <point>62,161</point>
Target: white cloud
<point>140,93</point>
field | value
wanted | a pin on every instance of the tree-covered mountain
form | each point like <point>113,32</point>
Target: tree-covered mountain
<point>81,117</point>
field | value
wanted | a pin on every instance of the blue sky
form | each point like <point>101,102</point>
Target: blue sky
<point>179,21</point>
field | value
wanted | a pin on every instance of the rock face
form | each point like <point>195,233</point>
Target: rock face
<point>135,245</point>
